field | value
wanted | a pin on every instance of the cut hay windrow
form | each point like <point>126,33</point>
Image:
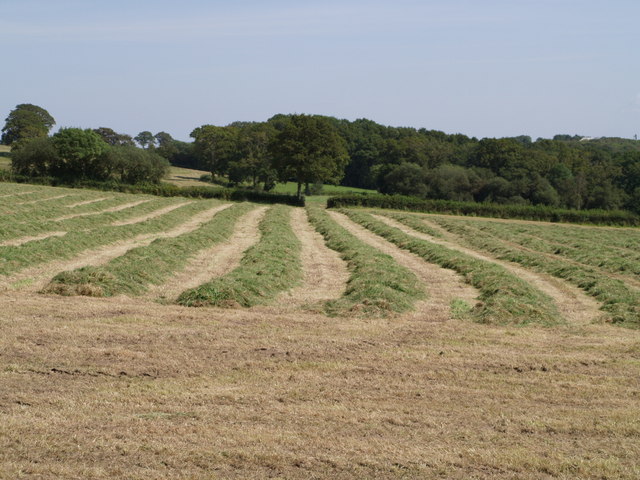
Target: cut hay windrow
<point>620,301</point>
<point>378,285</point>
<point>613,251</point>
<point>14,259</point>
<point>411,220</point>
<point>39,219</point>
<point>506,299</point>
<point>267,269</point>
<point>152,264</point>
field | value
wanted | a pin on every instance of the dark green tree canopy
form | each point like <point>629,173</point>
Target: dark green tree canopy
<point>309,149</point>
<point>78,151</point>
<point>24,122</point>
<point>145,139</point>
<point>73,154</point>
<point>113,138</point>
<point>216,147</point>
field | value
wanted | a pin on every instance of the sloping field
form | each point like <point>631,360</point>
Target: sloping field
<point>324,344</point>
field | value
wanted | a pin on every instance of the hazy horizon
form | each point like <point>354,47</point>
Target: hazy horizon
<point>484,69</point>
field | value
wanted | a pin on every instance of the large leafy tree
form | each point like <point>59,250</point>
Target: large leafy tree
<point>146,139</point>
<point>79,152</point>
<point>114,138</point>
<point>309,150</point>
<point>166,145</point>
<point>253,160</point>
<point>24,122</point>
<point>215,147</point>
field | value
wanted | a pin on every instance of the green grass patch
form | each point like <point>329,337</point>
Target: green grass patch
<point>267,269</point>
<point>291,188</point>
<point>378,285</point>
<point>140,267</point>
<point>506,299</point>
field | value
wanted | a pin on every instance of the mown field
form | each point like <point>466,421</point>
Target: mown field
<point>148,337</point>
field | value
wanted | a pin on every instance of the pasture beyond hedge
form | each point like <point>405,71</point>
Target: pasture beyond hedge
<point>164,190</point>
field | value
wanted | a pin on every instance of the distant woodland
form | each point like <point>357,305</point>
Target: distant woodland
<point>567,171</point>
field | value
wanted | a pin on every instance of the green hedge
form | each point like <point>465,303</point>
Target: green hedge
<point>524,212</point>
<point>163,190</point>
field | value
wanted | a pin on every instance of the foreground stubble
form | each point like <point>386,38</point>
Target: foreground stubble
<point>123,388</point>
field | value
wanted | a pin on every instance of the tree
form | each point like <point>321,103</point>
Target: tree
<point>450,182</point>
<point>309,149</point>
<point>500,155</point>
<point>24,122</point>
<point>215,147</point>
<point>35,158</point>
<point>78,151</point>
<point>145,139</point>
<point>166,145</point>
<point>134,165</point>
<point>254,159</point>
<point>113,138</point>
<point>406,179</point>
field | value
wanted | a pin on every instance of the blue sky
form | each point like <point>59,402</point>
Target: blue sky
<point>486,68</point>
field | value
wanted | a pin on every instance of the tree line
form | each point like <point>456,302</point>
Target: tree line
<point>566,171</point>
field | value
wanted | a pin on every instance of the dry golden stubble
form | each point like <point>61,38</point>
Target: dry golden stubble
<point>124,388</point>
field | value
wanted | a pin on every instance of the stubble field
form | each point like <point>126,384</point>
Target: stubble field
<point>146,337</point>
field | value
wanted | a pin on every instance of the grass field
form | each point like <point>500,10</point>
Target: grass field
<point>344,344</point>
<point>292,188</point>
<point>186,177</point>
<point>5,161</point>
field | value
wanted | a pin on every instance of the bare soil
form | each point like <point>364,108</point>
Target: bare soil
<point>443,286</point>
<point>216,261</point>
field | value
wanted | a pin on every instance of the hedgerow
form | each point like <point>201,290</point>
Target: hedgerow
<point>525,212</point>
<point>164,190</point>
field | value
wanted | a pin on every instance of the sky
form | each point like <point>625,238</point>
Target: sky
<point>485,68</point>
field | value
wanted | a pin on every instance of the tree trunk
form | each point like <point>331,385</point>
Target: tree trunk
<point>299,189</point>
